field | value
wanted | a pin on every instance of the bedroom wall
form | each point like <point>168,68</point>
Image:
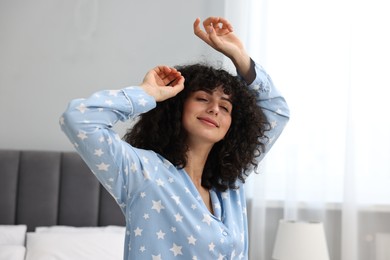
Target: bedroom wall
<point>52,51</point>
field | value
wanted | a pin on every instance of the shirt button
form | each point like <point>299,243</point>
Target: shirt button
<point>224,233</point>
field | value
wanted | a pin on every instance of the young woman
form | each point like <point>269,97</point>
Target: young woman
<point>178,174</point>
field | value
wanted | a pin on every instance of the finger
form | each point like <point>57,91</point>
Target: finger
<point>165,74</point>
<point>213,38</point>
<point>209,22</point>
<point>211,19</point>
<point>177,85</point>
<point>168,74</point>
<point>164,71</point>
<point>220,25</point>
<point>161,70</point>
<point>178,80</point>
<point>196,24</point>
<point>199,32</point>
<point>171,91</point>
<point>172,78</point>
<point>223,23</point>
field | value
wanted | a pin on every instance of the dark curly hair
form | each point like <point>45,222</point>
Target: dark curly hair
<point>161,130</point>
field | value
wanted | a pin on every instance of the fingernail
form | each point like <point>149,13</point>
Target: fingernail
<point>211,27</point>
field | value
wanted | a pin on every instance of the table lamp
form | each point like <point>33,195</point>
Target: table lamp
<point>300,241</point>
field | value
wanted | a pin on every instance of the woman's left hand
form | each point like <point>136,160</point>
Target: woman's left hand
<point>218,33</point>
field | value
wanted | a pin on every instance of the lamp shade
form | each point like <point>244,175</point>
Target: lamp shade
<point>300,241</point>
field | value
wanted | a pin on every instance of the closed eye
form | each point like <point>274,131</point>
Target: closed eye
<point>225,108</point>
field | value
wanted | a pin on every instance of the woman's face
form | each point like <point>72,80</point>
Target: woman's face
<point>207,115</point>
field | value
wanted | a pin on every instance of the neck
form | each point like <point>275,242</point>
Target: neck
<point>196,160</point>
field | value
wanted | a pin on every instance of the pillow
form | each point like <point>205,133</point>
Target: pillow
<point>66,229</point>
<point>75,245</point>
<point>13,235</point>
<point>13,252</point>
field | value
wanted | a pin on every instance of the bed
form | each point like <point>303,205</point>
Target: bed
<point>51,205</point>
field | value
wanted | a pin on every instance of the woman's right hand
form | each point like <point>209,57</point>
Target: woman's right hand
<point>163,82</point>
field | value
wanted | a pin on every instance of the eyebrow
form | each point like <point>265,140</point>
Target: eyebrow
<point>227,99</point>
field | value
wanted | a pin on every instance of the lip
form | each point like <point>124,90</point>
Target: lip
<point>208,121</point>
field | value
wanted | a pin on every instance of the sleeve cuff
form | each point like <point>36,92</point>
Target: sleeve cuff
<point>139,101</point>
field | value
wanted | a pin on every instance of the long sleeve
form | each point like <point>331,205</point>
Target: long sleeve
<point>88,125</point>
<point>273,104</point>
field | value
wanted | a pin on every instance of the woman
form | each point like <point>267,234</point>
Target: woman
<point>178,176</point>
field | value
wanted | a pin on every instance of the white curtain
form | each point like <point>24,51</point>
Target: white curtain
<point>331,59</point>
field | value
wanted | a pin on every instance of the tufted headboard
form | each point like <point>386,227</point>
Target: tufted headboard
<point>45,188</point>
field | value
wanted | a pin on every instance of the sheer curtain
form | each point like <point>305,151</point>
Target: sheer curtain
<point>332,164</point>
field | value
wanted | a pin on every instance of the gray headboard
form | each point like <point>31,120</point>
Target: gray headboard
<point>45,188</point>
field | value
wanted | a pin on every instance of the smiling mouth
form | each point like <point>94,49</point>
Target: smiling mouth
<point>208,121</point>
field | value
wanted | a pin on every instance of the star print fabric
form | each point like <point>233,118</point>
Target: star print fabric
<point>165,214</point>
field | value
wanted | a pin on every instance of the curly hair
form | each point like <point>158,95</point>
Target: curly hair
<point>161,130</point>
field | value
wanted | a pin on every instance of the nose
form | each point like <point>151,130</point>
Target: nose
<point>213,108</point>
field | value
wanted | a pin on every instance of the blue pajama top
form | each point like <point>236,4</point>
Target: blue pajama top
<point>166,217</point>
